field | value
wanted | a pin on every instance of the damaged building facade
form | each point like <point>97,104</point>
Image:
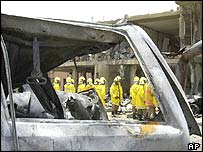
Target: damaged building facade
<point>170,31</point>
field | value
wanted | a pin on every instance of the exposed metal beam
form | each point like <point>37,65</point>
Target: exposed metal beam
<point>193,51</point>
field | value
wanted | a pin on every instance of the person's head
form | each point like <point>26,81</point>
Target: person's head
<point>141,82</point>
<point>144,79</point>
<point>119,78</point>
<point>81,80</point>
<point>89,81</point>
<point>102,80</point>
<point>56,80</point>
<point>116,80</point>
<point>68,80</point>
<point>136,79</point>
<point>96,81</point>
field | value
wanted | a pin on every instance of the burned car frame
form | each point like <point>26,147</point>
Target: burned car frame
<point>58,41</point>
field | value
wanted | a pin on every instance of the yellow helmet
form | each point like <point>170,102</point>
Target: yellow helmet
<point>136,78</point>
<point>119,78</point>
<point>72,81</point>
<point>68,79</point>
<point>143,78</point>
<point>89,80</point>
<point>102,79</point>
<point>81,78</point>
<point>56,79</point>
<point>96,81</point>
<point>141,81</point>
<point>116,79</point>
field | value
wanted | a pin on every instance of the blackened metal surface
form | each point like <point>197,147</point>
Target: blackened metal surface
<point>48,98</point>
<point>57,43</point>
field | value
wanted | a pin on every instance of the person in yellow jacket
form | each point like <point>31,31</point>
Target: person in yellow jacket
<point>97,88</point>
<point>133,94</point>
<point>120,87</point>
<point>148,98</point>
<point>116,96</point>
<point>140,104</point>
<point>81,84</point>
<point>69,86</point>
<point>56,83</point>
<point>96,85</point>
<point>90,84</point>
<point>103,90</point>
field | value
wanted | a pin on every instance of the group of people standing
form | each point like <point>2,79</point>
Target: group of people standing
<point>83,85</point>
<point>141,94</point>
<point>143,99</point>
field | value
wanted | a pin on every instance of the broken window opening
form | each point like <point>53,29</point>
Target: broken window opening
<point>87,105</point>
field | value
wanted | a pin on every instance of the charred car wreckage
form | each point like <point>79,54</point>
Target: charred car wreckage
<point>41,118</point>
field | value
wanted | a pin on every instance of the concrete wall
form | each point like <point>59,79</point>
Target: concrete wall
<point>113,71</point>
<point>164,42</point>
<point>109,71</point>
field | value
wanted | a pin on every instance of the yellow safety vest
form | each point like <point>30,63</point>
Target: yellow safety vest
<point>133,93</point>
<point>115,93</point>
<point>140,98</point>
<point>102,93</point>
<point>121,91</point>
<point>148,95</point>
<point>56,86</point>
<point>69,87</point>
<point>97,88</point>
<point>89,86</point>
<point>81,87</point>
